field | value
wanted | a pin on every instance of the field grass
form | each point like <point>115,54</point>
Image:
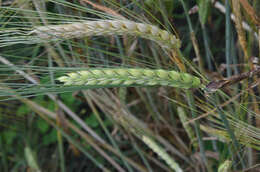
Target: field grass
<point>114,85</point>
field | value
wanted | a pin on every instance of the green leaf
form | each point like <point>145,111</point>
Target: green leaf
<point>168,4</point>
<point>23,110</point>
<point>92,121</point>
<point>50,138</point>
<point>70,100</point>
<point>43,126</point>
<point>108,122</point>
<point>203,10</point>
<point>9,136</point>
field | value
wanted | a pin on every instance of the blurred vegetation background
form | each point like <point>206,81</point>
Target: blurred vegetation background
<point>46,126</point>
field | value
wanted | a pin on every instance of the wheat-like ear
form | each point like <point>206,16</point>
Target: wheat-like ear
<point>162,153</point>
<point>107,27</point>
<point>225,166</point>
<point>127,77</point>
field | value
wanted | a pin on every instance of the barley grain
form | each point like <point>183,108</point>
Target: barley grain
<point>162,153</point>
<point>125,77</point>
<point>225,166</point>
<point>107,27</point>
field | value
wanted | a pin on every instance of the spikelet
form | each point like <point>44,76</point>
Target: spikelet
<point>127,77</point>
<point>225,166</point>
<point>191,133</point>
<point>107,27</point>
<point>162,153</point>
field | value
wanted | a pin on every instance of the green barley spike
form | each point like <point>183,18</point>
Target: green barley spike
<point>162,153</point>
<point>225,166</point>
<point>127,77</point>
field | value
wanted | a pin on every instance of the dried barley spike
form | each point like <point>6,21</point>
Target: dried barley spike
<point>127,77</point>
<point>107,27</point>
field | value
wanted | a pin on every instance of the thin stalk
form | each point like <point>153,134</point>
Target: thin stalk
<point>193,36</point>
<point>80,147</point>
<point>97,115</point>
<point>47,115</point>
<point>230,132</point>
<point>207,48</point>
<point>233,54</point>
<point>141,154</point>
<point>197,128</point>
<point>130,122</point>
<point>51,96</point>
<point>61,151</point>
<point>228,38</point>
<point>3,154</point>
<point>59,122</point>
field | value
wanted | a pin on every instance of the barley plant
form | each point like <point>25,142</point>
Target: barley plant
<point>112,85</point>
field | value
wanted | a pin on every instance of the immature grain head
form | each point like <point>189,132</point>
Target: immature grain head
<point>162,153</point>
<point>126,77</point>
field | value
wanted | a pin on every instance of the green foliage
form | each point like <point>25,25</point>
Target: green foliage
<point>70,100</point>
<point>47,133</point>
<point>92,121</point>
<point>133,44</point>
<point>49,137</point>
<point>156,4</point>
<point>204,7</point>
<point>9,137</point>
<point>23,110</point>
